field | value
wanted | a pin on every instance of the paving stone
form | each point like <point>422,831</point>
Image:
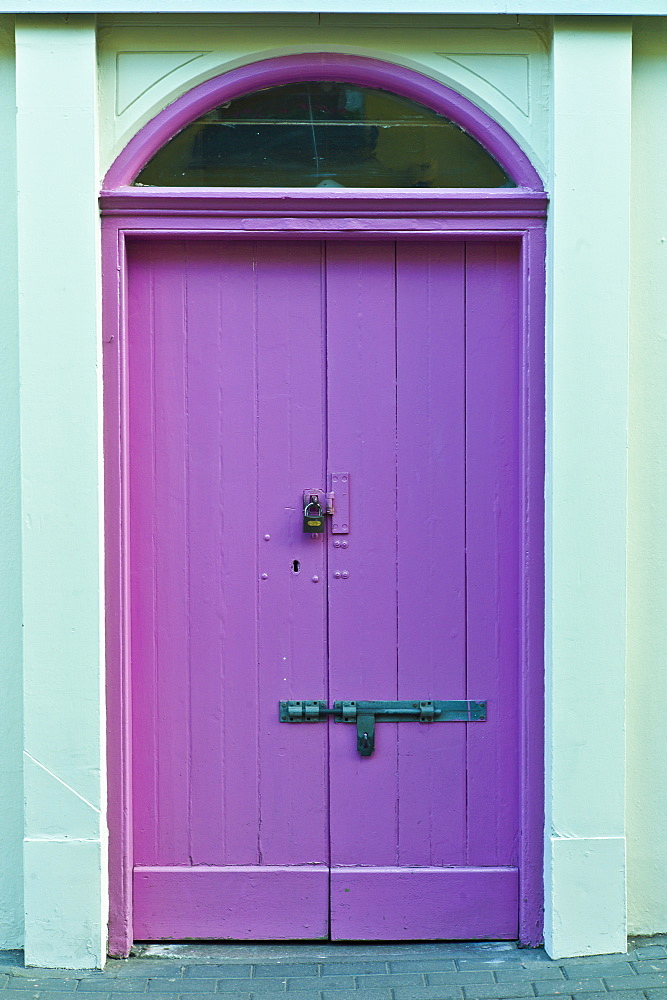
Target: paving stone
<point>358,968</point>
<point>315,995</point>
<point>217,972</point>
<point>425,965</point>
<point>143,968</point>
<point>498,991</point>
<point>239,994</point>
<point>3,981</point>
<point>511,959</point>
<point>177,985</point>
<point>425,993</point>
<point>174,996</point>
<point>318,983</point>
<point>639,982</point>
<point>390,981</point>
<point>101,985</point>
<point>36,994</point>
<point>652,994</point>
<point>656,965</point>
<point>600,968</point>
<point>529,975</point>
<point>154,996</point>
<point>227,971</point>
<point>348,995</point>
<point>283,970</point>
<point>484,976</point>
<point>569,986</point>
<point>60,984</point>
<point>627,995</point>
<point>650,951</point>
<point>49,974</point>
<point>258,987</point>
<point>614,959</point>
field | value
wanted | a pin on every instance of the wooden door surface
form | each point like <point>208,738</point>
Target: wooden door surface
<point>257,370</point>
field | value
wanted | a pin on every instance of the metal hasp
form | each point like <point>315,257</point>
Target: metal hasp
<point>366,713</point>
<point>339,495</point>
<point>335,503</point>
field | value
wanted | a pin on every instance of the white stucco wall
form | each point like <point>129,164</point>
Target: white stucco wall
<point>65,862</point>
<point>647,523</point>
<point>11,727</point>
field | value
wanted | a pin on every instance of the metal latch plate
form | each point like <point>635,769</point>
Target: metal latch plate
<point>366,713</point>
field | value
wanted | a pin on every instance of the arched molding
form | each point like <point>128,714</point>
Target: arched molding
<point>340,68</point>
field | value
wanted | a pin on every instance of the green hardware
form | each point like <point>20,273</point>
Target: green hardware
<point>364,714</point>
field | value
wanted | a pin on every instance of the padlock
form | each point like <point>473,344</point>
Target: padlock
<point>313,517</point>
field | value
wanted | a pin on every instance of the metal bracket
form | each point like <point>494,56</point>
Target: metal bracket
<point>366,713</point>
<point>339,499</point>
<point>304,711</point>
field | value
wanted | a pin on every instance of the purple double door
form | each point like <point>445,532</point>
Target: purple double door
<point>256,371</point>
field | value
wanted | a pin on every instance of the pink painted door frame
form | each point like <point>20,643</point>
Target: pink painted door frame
<point>476,216</point>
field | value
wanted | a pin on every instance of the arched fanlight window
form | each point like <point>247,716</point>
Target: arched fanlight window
<point>323,134</point>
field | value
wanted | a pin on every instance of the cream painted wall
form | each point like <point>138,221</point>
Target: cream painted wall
<point>647,523</point>
<point>587,374</point>
<point>11,729</point>
<point>499,64</point>
<point>65,859</point>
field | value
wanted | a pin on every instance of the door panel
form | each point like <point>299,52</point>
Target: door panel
<point>222,627</point>
<point>243,902</point>
<point>255,369</point>
<point>405,904</point>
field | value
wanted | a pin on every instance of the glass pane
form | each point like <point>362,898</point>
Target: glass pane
<point>323,134</point>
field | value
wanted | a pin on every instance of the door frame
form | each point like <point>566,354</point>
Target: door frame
<point>135,213</point>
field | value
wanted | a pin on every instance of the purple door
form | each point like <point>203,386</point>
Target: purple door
<point>258,370</point>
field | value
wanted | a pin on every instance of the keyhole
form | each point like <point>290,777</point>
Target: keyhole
<point>296,566</point>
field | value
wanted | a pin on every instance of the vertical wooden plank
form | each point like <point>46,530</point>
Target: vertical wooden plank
<point>493,547</point>
<point>430,298</point>
<point>164,477</point>
<point>140,323</point>
<point>292,605</point>
<point>361,359</point>
<point>224,810</point>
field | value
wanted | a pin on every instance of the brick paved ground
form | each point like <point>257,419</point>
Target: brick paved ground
<point>351,972</point>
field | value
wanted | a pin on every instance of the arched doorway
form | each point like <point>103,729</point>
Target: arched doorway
<point>379,349</point>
